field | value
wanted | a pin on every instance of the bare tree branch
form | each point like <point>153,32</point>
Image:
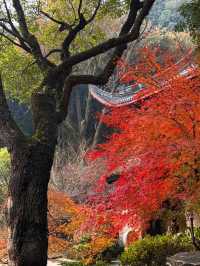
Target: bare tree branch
<point>26,38</point>
<point>35,62</point>
<point>118,52</point>
<point>72,81</point>
<point>21,19</point>
<point>95,12</point>
<point>53,51</point>
<point>63,25</point>
<point>7,29</point>
<point>73,9</point>
<point>10,19</point>
<point>12,30</point>
<point>79,8</point>
<point>78,28</point>
<point>13,42</point>
<point>123,39</point>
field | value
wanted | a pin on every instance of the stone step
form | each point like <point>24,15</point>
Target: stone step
<point>184,259</point>
<point>115,263</point>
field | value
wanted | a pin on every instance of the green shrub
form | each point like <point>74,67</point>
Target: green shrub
<point>4,173</point>
<point>4,163</point>
<point>153,251</point>
<point>196,233</point>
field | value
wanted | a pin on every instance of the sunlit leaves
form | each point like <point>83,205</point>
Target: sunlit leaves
<point>162,134</point>
<point>70,229</point>
<point>21,76</point>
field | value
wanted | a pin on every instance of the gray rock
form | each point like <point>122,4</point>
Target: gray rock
<point>184,259</point>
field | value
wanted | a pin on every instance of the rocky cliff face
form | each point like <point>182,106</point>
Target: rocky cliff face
<point>169,16</point>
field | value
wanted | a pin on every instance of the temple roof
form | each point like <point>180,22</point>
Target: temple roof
<point>126,94</point>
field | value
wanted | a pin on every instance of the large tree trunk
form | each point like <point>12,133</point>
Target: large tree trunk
<point>27,203</point>
<point>27,212</point>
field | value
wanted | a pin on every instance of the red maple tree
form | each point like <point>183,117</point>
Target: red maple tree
<point>155,149</point>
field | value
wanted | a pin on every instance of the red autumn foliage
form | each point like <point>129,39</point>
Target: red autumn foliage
<point>156,145</point>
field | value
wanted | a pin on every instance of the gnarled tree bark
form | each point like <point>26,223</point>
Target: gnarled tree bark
<point>31,162</point>
<point>27,204</point>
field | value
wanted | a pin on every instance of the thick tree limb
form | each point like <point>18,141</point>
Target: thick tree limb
<point>109,68</point>
<point>63,25</point>
<point>14,29</point>
<point>21,19</point>
<point>53,51</point>
<point>95,12</point>
<point>74,80</point>
<point>25,37</point>
<point>5,27</point>
<point>9,131</point>
<point>9,32</point>
<point>129,32</point>
<point>83,22</point>
<point>13,42</point>
<point>132,35</point>
<point>79,7</point>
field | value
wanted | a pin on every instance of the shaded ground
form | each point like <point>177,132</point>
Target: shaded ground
<point>57,263</point>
